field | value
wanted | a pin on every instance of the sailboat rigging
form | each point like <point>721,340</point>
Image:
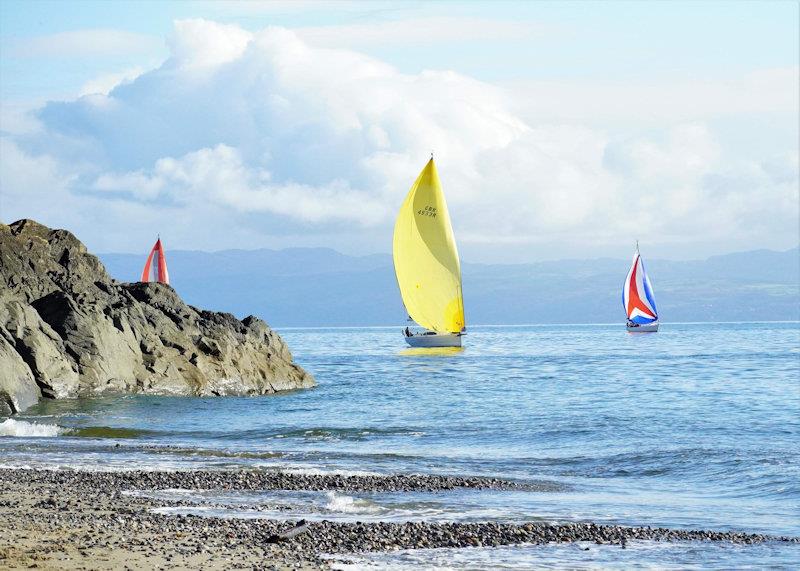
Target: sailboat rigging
<point>638,299</point>
<point>427,266</point>
<point>155,268</point>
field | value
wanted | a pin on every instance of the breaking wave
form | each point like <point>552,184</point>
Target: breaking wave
<point>11,427</point>
<point>347,504</point>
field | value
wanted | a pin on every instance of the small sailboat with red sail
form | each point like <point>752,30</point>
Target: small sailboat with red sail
<point>155,268</point>
<point>638,299</point>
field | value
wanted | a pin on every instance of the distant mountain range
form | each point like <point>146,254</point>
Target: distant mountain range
<point>322,287</point>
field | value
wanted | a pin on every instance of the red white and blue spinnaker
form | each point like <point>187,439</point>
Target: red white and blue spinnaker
<point>637,294</point>
<point>155,268</point>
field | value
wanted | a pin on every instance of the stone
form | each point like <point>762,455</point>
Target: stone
<point>18,388</point>
<point>68,329</point>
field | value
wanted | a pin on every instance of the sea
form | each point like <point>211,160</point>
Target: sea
<point>694,427</point>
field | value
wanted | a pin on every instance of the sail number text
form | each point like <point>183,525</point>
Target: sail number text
<point>427,211</point>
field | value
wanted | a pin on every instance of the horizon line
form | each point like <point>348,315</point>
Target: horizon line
<point>500,325</point>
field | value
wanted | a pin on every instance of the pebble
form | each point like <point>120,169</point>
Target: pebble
<point>263,480</point>
<point>82,500</point>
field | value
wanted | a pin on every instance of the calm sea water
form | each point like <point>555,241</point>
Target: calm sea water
<point>697,426</point>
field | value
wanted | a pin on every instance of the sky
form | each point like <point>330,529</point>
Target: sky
<point>560,129</point>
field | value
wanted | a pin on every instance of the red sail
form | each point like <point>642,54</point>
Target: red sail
<point>155,269</point>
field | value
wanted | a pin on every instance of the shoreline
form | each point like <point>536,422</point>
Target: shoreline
<point>68,519</point>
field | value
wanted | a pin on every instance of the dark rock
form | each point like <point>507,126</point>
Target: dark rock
<point>68,329</point>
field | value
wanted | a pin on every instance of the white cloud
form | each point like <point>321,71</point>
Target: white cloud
<point>198,43</point>
<point>271,135</point>
<point>81,43</point>
<point>417,31</point>
<point>656,101</point>
<point>18,117</point>
<point>45,189</point>
<point>27,179</point>
<point>688,150</point>
<point>218,176</point>
<point>104,84</point>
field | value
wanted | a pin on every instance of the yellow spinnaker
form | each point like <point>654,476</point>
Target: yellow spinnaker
<point>426,259</point>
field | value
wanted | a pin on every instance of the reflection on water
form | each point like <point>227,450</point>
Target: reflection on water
<point>431,351</point>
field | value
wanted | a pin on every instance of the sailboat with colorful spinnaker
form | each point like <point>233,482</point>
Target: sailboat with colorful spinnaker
<point>427,266</point>
<point>155,268</point>
<point>638,299</point>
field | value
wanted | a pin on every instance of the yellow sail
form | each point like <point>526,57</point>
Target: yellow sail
<point>426,259</point>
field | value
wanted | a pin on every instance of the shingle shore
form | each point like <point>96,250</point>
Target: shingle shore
<point>83,517</point>
<point>247,480</point>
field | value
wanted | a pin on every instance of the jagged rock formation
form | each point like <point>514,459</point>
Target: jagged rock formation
<point>67,329</point>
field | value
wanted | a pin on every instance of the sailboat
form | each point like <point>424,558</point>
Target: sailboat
<point>427,266</point>
<point>155,268</point>
<point>638,299</point>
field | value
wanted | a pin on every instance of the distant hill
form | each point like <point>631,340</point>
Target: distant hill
<point>322,287</point>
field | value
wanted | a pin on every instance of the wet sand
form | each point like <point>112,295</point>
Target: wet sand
<point>83,520</point>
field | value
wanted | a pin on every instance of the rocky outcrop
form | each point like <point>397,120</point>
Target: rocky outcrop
<point>67,329</point>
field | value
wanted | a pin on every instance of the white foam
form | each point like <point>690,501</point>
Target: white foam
<point>313,471</point>
<point>21,428</point>
<point>347,504</point>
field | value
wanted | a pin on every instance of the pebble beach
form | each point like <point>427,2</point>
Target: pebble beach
<point>70,519</point>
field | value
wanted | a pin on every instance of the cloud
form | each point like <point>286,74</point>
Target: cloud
<point>43,188</point>
<point>26,179</point>
<point>417,31</point>
<point>258,135</point>
<point>768,91</point>
<point>82,43</point>
<point>218,176</point>
<point>104,84</point>
<point>695,193</point>
<point>686,152</point>
<point>199,43</point>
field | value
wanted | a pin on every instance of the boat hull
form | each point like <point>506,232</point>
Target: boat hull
<point>647,328</point>
<point>437,340</point>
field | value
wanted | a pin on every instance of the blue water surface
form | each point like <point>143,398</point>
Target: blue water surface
<point>697,426</point>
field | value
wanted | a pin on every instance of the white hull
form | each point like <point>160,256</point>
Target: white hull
<point>648,328</point>
<point>435,340</point>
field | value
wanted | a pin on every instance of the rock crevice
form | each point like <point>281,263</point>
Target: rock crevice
<point>67,329</point>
